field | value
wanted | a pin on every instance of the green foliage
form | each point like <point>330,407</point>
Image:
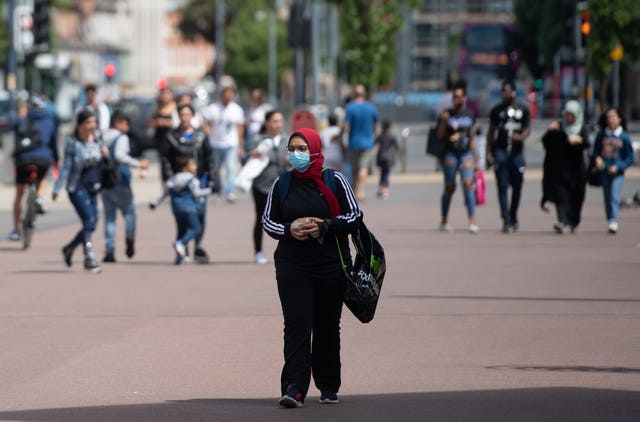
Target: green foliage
<point>612,22</point>
<point>246,38</point>
<point>368,31</point>
<point>543,27</point>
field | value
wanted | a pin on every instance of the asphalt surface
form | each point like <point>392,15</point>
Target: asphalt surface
<point>530,326</point>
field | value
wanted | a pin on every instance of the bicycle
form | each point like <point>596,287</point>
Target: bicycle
<point>29,209</point>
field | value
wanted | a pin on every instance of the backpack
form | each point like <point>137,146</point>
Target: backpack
<point>284,182</point>
<point>124,172</point>
<point>28,138</point>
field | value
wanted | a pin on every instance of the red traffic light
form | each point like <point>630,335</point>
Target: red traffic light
<point>110,70</point>
<point>585,26</point>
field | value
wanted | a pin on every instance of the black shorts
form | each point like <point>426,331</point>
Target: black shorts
<point>23,171</point>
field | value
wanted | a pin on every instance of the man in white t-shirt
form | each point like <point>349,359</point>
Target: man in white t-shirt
<point>332,147</point>
<point>225,119</point>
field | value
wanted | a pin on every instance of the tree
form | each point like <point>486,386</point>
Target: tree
<point>543,27</point>
<point>368,32</point>
<point>613,22</point>
<point>246,37</point>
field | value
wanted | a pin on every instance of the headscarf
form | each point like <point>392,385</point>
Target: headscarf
<point>573,107</point>
<point>315,169</point>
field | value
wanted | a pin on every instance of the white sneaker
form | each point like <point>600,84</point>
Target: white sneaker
<point>613,227</point>
<point>261,258</point>
<point>473,228</point>
<point>446,228</point>
<point>180,249</point>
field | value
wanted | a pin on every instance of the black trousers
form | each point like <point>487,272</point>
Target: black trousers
<point>569,200</point>
<point>311,306</point>
<point>260,202</point>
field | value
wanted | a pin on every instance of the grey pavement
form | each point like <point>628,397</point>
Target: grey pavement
<point>489,327</point>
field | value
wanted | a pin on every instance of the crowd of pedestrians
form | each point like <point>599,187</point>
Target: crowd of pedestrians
<point>301,197</point>
<point>222,138</point>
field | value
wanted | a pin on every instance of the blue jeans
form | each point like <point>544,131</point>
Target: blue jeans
<point>188,226</point>
<point>509,169</point>
<point>452,163</point>
<point>86,206</point>
<point>612,189</point>
<point>118,198</point>
<point>201,208</point>
<point>227,157</point>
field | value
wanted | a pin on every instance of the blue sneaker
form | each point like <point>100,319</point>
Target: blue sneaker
<point>328,397</point>
<point>292,398</point>
<point>15,235</point>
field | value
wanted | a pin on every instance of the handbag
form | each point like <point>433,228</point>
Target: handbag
<point>594,174</point>
<point>365,276</point>
<point>110,173</point>
<point>481,188</point>
<point>435,146</point>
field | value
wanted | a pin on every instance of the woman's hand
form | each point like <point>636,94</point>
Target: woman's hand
<point>105,152</point>
<point>612,170</point>
<point>599,163</point>
<point>305,227</point>
<point>554,126</point>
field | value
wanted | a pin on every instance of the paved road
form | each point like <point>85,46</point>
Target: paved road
<point>531,326</point>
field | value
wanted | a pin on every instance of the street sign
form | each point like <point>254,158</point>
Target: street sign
<point>302,118</point>
<point>617,53</point>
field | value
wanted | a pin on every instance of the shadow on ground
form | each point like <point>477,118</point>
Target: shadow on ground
<point>549,404</point>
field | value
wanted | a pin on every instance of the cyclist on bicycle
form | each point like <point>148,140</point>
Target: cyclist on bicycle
<point>35,145</point>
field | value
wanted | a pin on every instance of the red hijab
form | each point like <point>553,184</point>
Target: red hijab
<point>315,169</point>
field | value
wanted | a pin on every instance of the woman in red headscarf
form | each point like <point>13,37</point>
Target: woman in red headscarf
<point>309,219</point>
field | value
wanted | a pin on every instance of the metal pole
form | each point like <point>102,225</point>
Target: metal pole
<point>616,83</point>
<point>220,53</point>
<point>273,54</point>
<point>11,60</point>
<point>315,50</point>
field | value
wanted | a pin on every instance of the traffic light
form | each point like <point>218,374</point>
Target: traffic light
<point>41,22</point>
<point>299,25</point>
<point>585,27</point>
<point>23,29</point>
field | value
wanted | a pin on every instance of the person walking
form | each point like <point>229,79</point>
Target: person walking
<point>82,173</point>
<point>509,127</point>
<point>386,157</point>
<point>613,153</point>
<point>226,136</point>
<point>360,121</point>
<point>187,141</point>
<point>98,107</point>
<point>120,197</point>
<point>309,220</point>
<point>184,189</point>
<point>332,147</point>
<point>456,130</point>
<point>277,164</point>
<point>36,145</point>
<point>565,172</point>
<point>163,120</point>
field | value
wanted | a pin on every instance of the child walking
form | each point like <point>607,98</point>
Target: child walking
<point>386,159</point>
<point>184,189</point>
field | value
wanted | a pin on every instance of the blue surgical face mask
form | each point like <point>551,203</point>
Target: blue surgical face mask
<point>300,160</point>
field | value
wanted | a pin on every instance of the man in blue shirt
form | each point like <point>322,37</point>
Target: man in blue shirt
<point>360,121</point>
<point>36,146</point>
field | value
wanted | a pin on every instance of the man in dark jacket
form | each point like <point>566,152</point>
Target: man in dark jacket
<point>36,147</point>
<point>186,141</point>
